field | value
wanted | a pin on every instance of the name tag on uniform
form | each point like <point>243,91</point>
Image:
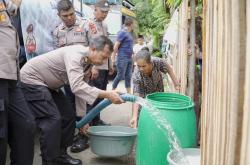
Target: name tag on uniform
<point>78,32</point>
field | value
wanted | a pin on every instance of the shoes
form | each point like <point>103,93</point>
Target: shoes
<point>66,159</point>
<point>80,143</point>
<point>100,123</point>
<point>63,159</point>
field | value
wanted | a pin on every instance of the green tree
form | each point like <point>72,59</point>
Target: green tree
<point>152,18</point>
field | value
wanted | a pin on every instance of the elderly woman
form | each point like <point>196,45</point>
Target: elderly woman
<point>147,78</point>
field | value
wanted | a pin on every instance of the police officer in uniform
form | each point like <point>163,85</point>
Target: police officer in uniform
<point>43,75</point>
<point>74,30</point>
<point>71,32</point>
<point>95,27</point>
<point>16,121</point>
<point>99,79</point>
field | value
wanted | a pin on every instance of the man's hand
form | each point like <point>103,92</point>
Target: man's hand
<point>133,122</point>
<point>94,73</point>
<point>114,97</point>
<point>84,129</point>
<point>177,85</point>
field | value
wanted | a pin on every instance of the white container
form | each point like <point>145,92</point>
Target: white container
<point>192,155</point>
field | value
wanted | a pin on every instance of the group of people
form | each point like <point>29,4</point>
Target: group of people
<point>83,58</point>
<point>32,98</point>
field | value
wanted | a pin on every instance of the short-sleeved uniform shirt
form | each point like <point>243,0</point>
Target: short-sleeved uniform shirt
<point>9,42</point>
<point>75,35</point>
<point>144,84</point>
<point>66,65</point>
<point>126,46</point>
<point>92,29</point>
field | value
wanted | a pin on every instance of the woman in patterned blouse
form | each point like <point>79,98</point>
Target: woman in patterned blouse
<point>147,78</point>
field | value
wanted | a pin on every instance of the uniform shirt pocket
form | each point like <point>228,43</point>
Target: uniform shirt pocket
<point>62,41</point>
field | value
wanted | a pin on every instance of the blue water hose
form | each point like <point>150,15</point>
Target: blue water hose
<point>97,109</point>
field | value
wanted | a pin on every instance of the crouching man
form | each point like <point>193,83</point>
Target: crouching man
<point>42,78</point>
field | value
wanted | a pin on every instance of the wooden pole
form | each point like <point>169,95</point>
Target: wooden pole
<point>191,71</point>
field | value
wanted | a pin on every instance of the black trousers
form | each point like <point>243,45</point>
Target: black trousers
<point>70,95</point>
<point>55,117</point>
<point>100,82</point>
<point>17,125</point>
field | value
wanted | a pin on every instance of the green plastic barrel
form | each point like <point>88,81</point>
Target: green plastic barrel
<point>152,142</point>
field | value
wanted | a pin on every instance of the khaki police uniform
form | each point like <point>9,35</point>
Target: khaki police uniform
<point>65,36</point>
<point>42,77</point>
<point>94,28</point>
<point>15,117</point>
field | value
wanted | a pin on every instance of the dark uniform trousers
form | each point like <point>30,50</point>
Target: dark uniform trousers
<point>17,125</point>
<point>55,117</point>
<point>100,82</point>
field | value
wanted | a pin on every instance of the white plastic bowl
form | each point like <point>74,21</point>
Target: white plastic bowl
<point>192,155</point>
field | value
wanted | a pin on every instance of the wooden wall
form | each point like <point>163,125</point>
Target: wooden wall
<point>245,149</point>
<point>225,132</point>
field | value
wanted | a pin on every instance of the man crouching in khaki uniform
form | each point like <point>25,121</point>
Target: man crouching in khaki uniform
<point>42,78</point>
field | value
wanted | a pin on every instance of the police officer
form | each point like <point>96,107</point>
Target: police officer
<point>95,27</point>
<point>45,74</point>
<point>16,121</point>
<point>71,32</point>
<point>99,79</point>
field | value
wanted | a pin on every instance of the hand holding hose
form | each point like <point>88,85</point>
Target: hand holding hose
<point>115,97</point>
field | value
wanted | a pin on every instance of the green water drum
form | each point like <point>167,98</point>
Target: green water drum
<point>152,142</point>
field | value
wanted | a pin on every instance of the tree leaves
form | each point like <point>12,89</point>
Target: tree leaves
<point>173,3</point>
<point>151,16</point>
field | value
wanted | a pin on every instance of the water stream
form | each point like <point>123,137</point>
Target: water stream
<point>167,129</point>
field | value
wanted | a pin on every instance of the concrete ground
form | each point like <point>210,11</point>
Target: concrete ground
<point>116,115</point>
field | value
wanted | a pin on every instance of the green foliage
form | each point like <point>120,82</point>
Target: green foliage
<point>173,3</point>
<point>199,7</point>
<point>151,17</point>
